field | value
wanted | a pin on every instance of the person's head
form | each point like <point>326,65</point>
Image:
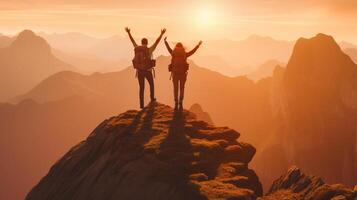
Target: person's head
<point>144,42</point>
<point>179,45</point>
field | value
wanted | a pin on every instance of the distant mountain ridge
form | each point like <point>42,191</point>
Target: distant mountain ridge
<point>235,57</point>
<point>25,62</point>
<point>71,104</point>
<point>5,40</point>
<point>263,110</point>
<point>352,52</point>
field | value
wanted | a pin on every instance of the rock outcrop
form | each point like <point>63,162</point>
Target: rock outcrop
<point>296,185</point>
<point>155,153</point>
<point>200,113</point>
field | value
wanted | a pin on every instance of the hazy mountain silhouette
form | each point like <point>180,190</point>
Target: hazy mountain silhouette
<point>347,45</point>
<point>73,42</point>
<point>154,154</point>
<point>25,62</point>
<point>200,113</point>
<point>264,70</point>
<point>245,55</point>
<point>216,63</point>
<point>45,133</point>
<point>321,91</point>
<point>228,57</point>
<point>317,113</point>
<point>240,94</point>
<point>5,40</point>
<point>352,52</point>
<point>106,94</point>
<point>279,114</point>
<point>88,64</point>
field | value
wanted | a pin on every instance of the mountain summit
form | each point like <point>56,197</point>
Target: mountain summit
<point>156,154</point>
<point>25,62</point>
<point>320,109</point>
<point>29,42</point>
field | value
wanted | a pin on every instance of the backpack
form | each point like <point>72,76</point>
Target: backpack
<point>142,59</point>
<point>178,61</point>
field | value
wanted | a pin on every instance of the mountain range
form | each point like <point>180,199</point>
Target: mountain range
<point>307,106</point>
<point>318,76</point>
<point>158,153</point>
<point>68,105</point>
<point>228,57</point>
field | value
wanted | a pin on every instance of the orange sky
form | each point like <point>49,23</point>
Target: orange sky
<point>204,19</point>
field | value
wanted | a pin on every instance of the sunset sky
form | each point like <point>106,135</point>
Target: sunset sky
<point>184,19</point>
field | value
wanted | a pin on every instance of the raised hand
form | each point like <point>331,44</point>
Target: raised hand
<point>199,44</point>
<point>127,29</point>
<point>163,31</point>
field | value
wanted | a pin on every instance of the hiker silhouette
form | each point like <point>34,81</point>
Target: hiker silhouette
<point>144,64</point>
<point>179,70</point>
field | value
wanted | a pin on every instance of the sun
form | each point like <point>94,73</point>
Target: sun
<point>205,16</point>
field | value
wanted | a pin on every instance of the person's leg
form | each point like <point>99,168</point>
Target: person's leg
<point>175,82</point>
<point>150,79</point>
<point>141,79</point>
<point>183,78</point>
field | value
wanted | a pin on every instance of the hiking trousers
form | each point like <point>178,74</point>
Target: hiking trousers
<point>142,75</point>
<point>179,81</point>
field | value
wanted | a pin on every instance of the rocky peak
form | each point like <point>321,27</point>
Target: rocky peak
<point>297,185</point>
<point>28,41</point>
<point>321,56</point>
<point>155,153</point>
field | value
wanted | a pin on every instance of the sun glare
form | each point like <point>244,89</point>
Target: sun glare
<point>206,17</point>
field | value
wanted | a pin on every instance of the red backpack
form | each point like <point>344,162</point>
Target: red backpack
<point>178,61</point>
<point>142,59</point>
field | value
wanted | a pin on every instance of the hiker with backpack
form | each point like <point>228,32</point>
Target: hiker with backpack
<point>144,63</point>
<point>179,69</point>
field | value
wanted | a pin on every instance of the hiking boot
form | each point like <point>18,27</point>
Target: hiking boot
<point>153,100</point>
<point>180,105</point>
<point>176,105</point>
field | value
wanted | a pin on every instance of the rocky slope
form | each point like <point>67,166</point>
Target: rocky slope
<point>154,154</point>
<point>296,185</point>
<point>351,52</point>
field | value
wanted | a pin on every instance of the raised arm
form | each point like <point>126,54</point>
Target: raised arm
<point>131,37</point>
<point>153,47</point>
<point>190,53</point>
<point>167,46</point>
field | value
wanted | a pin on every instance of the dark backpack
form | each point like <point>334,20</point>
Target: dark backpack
<point>179,61</point>
<point>142,59</point>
